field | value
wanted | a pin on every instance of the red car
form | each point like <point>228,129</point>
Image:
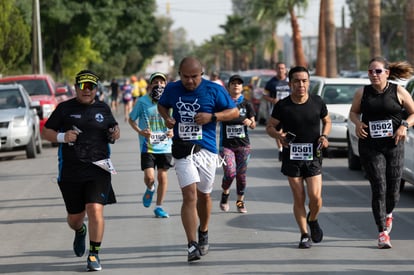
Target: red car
<point>41,88</point>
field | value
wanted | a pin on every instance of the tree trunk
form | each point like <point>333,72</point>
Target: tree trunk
<point>374,13</point>
<point>330,30</point>
<point>321,59</point>
<point>409,23</point>
<point>298,52</point>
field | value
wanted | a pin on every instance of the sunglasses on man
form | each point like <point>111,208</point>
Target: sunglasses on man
<point>87,85</point>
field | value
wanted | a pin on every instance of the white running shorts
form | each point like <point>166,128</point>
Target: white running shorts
<point>199,168</point>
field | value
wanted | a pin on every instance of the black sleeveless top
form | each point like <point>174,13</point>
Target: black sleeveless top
<point>381,106</point>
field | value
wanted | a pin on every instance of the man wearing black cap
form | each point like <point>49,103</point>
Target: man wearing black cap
<point>83,127</point>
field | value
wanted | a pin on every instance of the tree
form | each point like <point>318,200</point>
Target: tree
<point>14,37</point>
<point>321,55</point>
<point>330,31</point>
<point>374,14</point>
<point>273,11</point>
<point>409,22</point>
<point>298,52</point>
<point>122,34</point>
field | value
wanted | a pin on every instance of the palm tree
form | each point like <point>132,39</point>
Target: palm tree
<point>298,52</point>
<point>330,31</point>
<point>409,22</point>
<point>374,14</point>
<point>321,58</point>
<point>273,11</point>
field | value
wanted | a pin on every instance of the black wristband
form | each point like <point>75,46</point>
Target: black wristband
<point>213,117</point>
<point>325,136</point>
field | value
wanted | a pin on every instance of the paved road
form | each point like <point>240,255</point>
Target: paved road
<point>36,240</point>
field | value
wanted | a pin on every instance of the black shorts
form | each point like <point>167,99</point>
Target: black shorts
<point>302,168</point>
<point>161,161</point>
<point>77,194</point>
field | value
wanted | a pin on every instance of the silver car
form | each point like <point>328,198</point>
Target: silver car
<point>19,122</point>
<point>338,94</point>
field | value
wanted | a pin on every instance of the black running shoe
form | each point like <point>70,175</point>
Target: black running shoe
<point>305,241</point>
<point>193,252</point>
<point>79,242</point>
<point>203,242</point>
<point>316,231</point>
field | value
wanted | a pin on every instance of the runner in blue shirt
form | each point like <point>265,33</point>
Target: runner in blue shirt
<point>197,105</point>
<point>154,142</point>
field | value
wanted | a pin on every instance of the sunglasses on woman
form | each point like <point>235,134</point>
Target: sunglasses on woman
<point>376,71</point>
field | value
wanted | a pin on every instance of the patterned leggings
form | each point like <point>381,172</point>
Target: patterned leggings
<point>383,165</point>
<point>235,160</point>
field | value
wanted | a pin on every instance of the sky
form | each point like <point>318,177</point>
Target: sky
<point>202,18</point>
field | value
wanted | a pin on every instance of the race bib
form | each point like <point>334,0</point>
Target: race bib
<point>381,128</point>
<point>301,151</point>
<point>235,131</point>
<point>106,164</point>
<point>158,138</point>
<point>190,131</point>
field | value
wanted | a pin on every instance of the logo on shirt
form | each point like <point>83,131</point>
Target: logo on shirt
<point>187,111</point>
<point>99,117</point>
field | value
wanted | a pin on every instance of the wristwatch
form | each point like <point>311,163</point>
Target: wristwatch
<point>213,117</point>
<point>404,123</point>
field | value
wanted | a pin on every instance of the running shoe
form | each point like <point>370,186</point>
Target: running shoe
<point>93,263</point>
<point>79,241</point>
<point>224,204</point>
<point>388,224</point>
<point>241,207</point>
<point>203,242</point>
<point>193,252</point>
<point>305,241</point>
<point>147,198</point>
<point>384,240</point>
<point>316,231</point>
<point>160,213</point>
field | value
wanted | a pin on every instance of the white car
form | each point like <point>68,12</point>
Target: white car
<point>338,94</point>
<point>19,122</point>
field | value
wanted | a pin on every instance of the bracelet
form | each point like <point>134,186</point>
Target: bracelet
<point>325,136</point>
<point>60,137</point>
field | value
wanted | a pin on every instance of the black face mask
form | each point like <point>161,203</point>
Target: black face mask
<point>156,92</point>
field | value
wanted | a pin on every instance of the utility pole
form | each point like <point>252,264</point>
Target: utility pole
<point>37,54</point>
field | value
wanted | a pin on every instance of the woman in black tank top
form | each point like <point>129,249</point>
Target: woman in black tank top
<point>377,112</point>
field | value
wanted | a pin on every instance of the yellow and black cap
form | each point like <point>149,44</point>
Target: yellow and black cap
<point>86,76</point>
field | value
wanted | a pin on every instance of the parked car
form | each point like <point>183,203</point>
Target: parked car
<point>338,94</point>
<point>19,122</point>
<point>41,88</point>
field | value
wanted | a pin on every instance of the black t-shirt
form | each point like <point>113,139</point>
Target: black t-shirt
<point>304,120</point>
<point>246,111</point>
<point>91,145</point>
